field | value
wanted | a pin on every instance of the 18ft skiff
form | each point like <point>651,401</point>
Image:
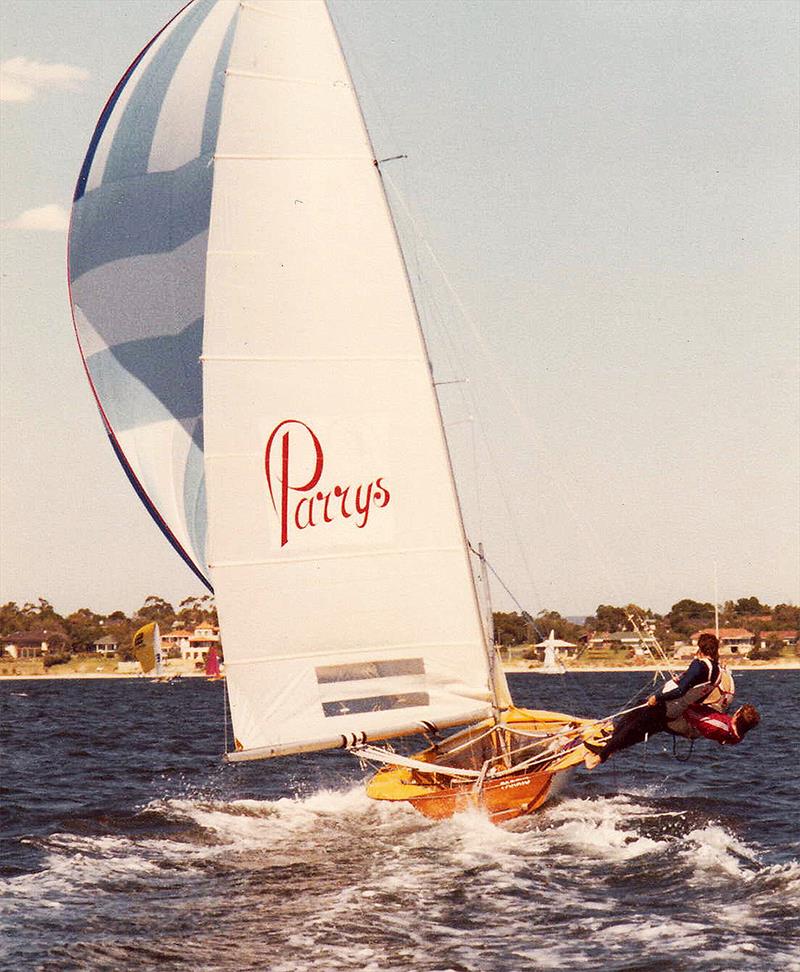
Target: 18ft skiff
<point>251,338</point>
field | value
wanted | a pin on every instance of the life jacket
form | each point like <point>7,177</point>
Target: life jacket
<point>702,722</point>
<point>721,695</point>
<point>715,692</point>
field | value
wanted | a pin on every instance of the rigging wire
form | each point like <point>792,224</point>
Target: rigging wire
<point>225,718</point>
<point>500,384</point>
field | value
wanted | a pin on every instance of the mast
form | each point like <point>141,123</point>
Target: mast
<point>499,692</point>
<point>500,689</point>
<point>497,682</point>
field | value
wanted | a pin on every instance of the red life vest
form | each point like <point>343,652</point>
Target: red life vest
<point>705,722</point>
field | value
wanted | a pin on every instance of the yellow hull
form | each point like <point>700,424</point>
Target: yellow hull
<point>503,797</point>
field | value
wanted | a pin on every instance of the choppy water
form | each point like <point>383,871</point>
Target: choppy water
<point>127,845</point>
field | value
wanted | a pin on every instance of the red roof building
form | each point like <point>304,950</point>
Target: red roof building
<point>732,641</point>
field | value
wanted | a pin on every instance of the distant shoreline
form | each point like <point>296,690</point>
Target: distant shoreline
<point>95,675</point>
<point>776,665</point>
<point>781,665</point>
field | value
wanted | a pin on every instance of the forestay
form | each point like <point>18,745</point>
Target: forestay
<point>336,546</point>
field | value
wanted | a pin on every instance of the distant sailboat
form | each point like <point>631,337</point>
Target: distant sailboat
<point>551,644</point>
<point>148,652</point>
<point>212,669</point>
<point>230,210</point>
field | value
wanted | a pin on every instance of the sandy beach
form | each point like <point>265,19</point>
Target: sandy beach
<point>775,665</point>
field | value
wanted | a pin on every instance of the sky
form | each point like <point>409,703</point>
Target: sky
<point>599,214</point>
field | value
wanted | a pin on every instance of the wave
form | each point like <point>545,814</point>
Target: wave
<point>347,882</point>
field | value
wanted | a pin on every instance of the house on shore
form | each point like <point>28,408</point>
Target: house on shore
<point>107,646</point>
<point>204,637</point>
<point>26,644</point>
<point>789,639</point>
<point>175,641</point>
<point>733,642</point>
<point>191,645</point>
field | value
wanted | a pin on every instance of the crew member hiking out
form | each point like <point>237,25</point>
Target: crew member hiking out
<point>666,710</point>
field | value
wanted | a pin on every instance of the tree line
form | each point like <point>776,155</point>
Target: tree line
<point>678,624</point>
<point>77,632</point>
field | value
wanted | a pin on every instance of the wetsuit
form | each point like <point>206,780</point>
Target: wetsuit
<point>699,672</point>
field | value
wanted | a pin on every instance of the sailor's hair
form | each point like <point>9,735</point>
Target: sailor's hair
<point>708,644</point>
<point>747,718</point>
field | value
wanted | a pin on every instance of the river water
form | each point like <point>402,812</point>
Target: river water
<point>126,844</point>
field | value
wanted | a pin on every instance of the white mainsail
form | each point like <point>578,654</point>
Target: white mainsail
<point>336,548</point>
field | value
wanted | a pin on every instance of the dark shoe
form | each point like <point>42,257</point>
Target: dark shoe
<point>594,748</point>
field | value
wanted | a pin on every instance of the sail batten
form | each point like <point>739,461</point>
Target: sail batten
<point>283,561</point>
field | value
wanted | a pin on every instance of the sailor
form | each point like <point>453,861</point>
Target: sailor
<point>696,684</point>
<point>702,681</point>
<point>698,721</point>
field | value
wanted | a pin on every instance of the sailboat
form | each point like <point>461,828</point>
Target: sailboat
<point>212,669</point>
<point>146,644</point>
<point>251,338</point>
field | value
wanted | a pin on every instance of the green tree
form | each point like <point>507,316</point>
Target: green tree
<point>751,605</point>
<point>155,609</point>
<point>785,617</point>
<point>510,628</point>
<point>83,628</point>
<point>11,618</point>
<point>547,621</point>
<point>687,616</point>
<point>41,615</point>
<point>193,611</point>
<point>773,647</point>
<point>608,618</point>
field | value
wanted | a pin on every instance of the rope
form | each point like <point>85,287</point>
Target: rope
<point>382,756</point>
<point>225,718</point>
<point>688,756</point>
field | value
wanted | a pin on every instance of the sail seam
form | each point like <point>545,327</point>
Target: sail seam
<point>369,650</point>
<point>285,360</point>
<point>269,13</point>
<point>217,565</point>
<point>260,157</point>
<point>257,76</point>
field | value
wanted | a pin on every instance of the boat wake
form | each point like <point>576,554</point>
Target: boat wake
<point>348,882</point>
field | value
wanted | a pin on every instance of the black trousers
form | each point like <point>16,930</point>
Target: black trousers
<point>633,727</point>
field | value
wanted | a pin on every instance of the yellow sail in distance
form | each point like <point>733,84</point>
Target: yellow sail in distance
<point>147,647</point>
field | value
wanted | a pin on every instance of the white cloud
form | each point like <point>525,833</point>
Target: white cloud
<point>51,218</point>
<point>22,79</point>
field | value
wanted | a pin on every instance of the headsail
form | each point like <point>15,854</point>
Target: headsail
<point>137,260</point>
